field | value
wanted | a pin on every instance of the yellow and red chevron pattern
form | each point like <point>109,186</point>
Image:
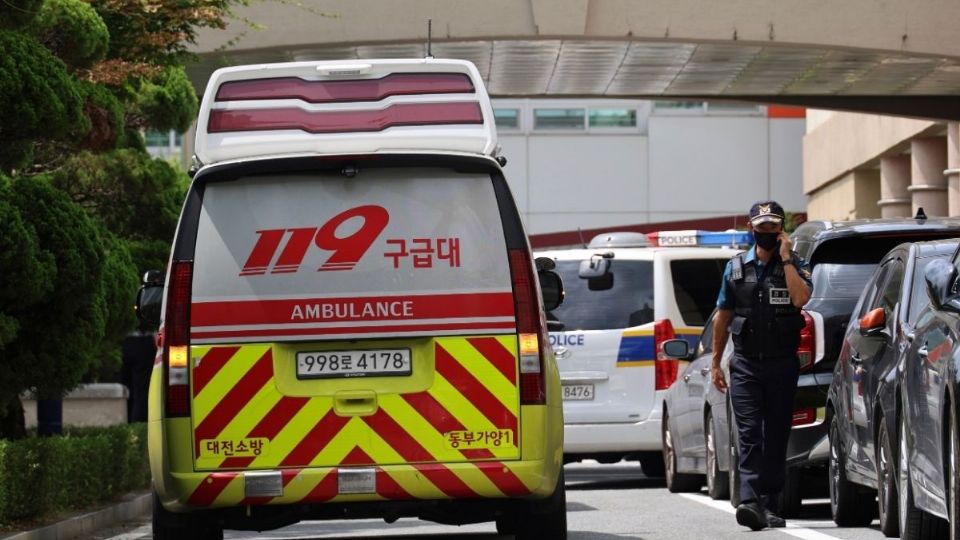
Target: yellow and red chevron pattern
<point>449,429</point>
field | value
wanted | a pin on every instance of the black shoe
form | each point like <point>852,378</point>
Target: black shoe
<point>774,520</point>
<point>751,514</point>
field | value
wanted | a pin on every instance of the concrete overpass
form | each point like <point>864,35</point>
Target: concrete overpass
<point>893,56</point>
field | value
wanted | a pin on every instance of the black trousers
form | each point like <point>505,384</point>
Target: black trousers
<point>762,393</point>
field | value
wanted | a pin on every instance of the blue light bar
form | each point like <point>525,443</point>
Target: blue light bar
<point>736,238</point>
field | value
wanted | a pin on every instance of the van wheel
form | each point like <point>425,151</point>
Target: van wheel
<point>887,482</point>
<point>791,498</point>
<point>172,526</point>
<point>546,518</point>
<point>652,464</point>
<point>846,498</point>
<point>718,485</point>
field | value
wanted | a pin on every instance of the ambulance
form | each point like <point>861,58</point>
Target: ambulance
<point>626,294</point>
<point>352,321</point>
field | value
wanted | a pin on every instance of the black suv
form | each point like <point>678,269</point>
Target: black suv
<point>843,256</point>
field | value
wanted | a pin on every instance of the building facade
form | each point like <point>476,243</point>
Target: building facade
<point>870,166</point>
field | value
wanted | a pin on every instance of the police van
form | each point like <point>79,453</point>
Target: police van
<point>352,324</point>
<point>626,293</point>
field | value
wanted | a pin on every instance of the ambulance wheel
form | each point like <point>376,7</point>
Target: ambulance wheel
<point>172,526</point>
<point>547,518</point>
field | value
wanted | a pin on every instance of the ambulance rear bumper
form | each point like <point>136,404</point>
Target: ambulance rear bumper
<point>475,480</point>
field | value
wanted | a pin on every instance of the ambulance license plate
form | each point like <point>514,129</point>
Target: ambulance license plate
<point>360,363</point>
<point>577,392</point>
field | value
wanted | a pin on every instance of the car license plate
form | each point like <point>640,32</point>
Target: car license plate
<point>359,363</point>
<point>577,392</point>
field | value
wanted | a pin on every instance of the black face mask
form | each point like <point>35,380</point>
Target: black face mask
<point>766,240</point>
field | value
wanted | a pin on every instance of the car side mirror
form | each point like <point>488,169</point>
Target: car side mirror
<point>941,278</point>
<point>677,349</point>
<point>873,323</point>
<point>551,288</point>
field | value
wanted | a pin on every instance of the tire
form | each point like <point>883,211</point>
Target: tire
<point>887,505</point>
<point>846,498</point>
<point>677,482</point>
<point>172,526</point>
<point>791,497</point>
<point>652,464</point>
<point>915,524</point>
<point>718,485</point>
<point>546,518</point>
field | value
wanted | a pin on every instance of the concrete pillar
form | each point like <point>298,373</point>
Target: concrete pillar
<point>894,181</point>
<point>953,170</point>
<point>928,184</point>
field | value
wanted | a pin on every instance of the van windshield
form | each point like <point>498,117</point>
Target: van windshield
<point>628,303</point>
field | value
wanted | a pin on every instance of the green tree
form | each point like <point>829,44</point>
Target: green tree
<point>41,100</point>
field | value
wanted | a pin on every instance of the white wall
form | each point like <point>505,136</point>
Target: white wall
<point>673,167</point>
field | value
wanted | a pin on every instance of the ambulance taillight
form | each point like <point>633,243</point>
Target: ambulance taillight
<point>529,329</point>
<point>176,340</point>
<point>665,369</point>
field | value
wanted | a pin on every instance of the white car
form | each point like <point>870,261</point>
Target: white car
<point>625,295</point>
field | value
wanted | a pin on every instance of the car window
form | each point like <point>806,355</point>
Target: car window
<point>696,284</point>
<point>628,303</point>
<point>870,292</point>
<point>841,280</point>
<point>890,296</point>
<point>706,338</point>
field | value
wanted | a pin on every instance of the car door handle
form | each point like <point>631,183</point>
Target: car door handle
<point>922,351</point>
<point>855,359</point>
<point>704,371</point>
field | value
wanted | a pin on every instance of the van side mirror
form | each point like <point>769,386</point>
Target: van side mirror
<point>873,323</point>
<point>941,278</point>
<point>150,298</point>
<point>551,286</point>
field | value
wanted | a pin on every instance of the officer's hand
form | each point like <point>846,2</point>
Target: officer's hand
<point>719,379</point>
<point>784,246</point>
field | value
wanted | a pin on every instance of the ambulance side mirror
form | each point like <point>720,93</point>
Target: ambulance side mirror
<point>551,286</point>
<point>150,298</point>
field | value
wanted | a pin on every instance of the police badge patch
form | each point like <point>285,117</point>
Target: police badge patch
<point>779,297</point>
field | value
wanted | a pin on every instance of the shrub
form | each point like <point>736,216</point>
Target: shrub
<point>40,476</point>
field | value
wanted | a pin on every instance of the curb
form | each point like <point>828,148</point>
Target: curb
<point>134,506</point>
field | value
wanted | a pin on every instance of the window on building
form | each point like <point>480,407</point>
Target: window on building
<point>559,119</point>
<point>507,118</point>
<point>732,107</point>
<point>157,138</point>
<point>678,106</point>
<point>613,118</point>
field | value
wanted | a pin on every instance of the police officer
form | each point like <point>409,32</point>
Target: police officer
<point>759,304</point>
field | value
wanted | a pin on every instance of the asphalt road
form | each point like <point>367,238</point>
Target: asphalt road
<point>604,502</point>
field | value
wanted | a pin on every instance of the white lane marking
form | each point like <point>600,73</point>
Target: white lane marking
<point>139,532</point>
<point>791,529</point>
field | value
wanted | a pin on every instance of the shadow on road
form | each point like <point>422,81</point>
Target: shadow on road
<point>623,475</point>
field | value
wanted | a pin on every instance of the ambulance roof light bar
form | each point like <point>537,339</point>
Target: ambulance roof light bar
<point>730,238</point>
<point>345,107</point>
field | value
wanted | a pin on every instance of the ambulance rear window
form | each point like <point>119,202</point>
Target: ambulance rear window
<point>628,303</point>
<point>389,251</point>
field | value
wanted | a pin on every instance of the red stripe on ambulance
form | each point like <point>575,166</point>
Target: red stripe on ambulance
<point>474,391</point>
<point>348,309</point>
<point>210,365</point>
<point>238,396</point>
